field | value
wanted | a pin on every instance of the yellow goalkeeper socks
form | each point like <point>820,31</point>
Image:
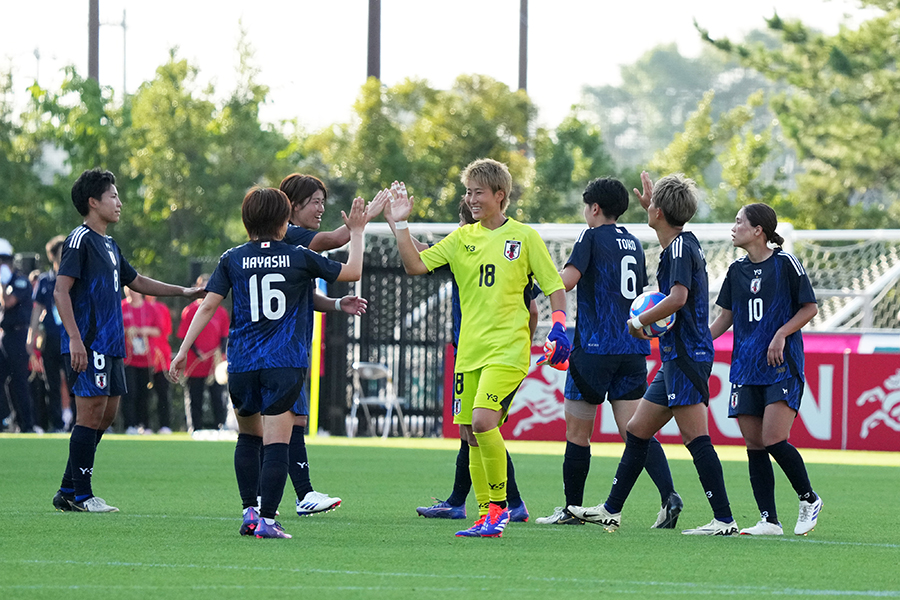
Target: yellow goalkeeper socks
<point>479,480</point>
<point>493,457</point>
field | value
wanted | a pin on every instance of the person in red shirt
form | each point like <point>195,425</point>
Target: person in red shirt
<point>141,323</point>
<point>160,357</point>
<point>202,359</point>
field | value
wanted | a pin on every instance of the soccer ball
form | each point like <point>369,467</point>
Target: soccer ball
<point>645,302</point>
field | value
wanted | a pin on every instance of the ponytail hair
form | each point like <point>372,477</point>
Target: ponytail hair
<point>763,215</point>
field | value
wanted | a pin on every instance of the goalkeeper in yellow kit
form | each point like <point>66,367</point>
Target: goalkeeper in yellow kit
<point>493,261</point>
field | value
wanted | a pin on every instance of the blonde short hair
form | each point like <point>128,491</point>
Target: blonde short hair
<point>492,173</point>
<point>676,196</point>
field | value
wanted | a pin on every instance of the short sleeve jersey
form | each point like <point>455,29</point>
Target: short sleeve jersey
<point>160,350</point>
<point>138,349</point>
<point>682,262</point>
<point>43,295</point>
<point>272,304</point>
<point>492,269</point>
<point>762,297</point>
<point>299,236</point>
<point>96,264</point>
<point>208,340</point>
<point>531,292</point>
<point>613,274</point>
<point>20,314</point>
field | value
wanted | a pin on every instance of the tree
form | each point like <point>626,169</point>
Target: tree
<point>565,161</point>
<point>839,114</point>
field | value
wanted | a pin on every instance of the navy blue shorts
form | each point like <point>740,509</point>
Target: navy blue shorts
<point>266,391</point>
<point>301,406</point>
<point>680,383</point>
<point>753,399</point>
<point>594,377</point>
<point>104,376</point>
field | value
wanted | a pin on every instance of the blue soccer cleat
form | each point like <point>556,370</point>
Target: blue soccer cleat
<point>519,514</point>
<point>273,531</point>
<point>251,520</point>
<point>442,509</point>
<point>496,521</point>
<point>474,530</point>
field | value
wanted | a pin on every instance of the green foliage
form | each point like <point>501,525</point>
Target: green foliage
<point>414,133</point>
<point>729,150</point>
<point>565,161</point>
<point>839,114</point>
<point>182,161</point>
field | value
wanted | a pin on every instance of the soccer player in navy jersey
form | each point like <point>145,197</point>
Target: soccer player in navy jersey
<point>268,341</point>
<point>307,195</point>
<point>15,317</point>
<point>680,388</point>
<point>44,315</point>
<point>88,298</point>
<point>607,265</point>
<point>454,507</point>
<point>768,298</point>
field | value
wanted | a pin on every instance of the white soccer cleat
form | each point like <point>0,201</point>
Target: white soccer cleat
<point>714,527</point>
<point>597,514</point>
<point>763,528</point>
<point>316,502</point>
<point>560,516</point>
<point>809,514</point>
<point>94,505</point>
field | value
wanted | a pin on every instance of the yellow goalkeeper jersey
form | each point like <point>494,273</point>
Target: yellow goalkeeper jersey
<point>492,270</point>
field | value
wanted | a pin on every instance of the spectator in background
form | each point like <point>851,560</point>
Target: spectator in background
<point>141,323</point>
<point>45,327</point>
<point>160,357</point>
<point>202,358</point>
<point>15,299</point>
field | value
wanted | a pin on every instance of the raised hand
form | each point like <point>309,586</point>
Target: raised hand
<point>645,196</point>
<point>374,208</point>
<point>357,219</point>
<point>401,206</point>
<point>354,305</point>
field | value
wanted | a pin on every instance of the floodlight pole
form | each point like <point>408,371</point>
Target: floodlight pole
<point>374,57</point>
<point>94,40</point>
<point>523,45</point>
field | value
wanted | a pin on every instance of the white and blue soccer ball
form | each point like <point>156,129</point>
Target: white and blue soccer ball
<point>645,302</point>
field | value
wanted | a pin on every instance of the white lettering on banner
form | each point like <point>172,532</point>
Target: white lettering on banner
<point>718,404</point>
<point>816,416</point>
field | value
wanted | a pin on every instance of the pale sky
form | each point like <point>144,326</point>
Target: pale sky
<point>312,53</point>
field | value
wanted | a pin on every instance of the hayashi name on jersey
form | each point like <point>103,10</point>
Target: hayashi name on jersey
<point>279,261</point>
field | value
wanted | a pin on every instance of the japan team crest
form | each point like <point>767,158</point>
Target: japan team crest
<point>100,380</point>
<point>755,285</point>
<point>513,249</point>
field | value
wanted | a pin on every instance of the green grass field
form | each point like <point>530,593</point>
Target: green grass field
<point>177,533</point>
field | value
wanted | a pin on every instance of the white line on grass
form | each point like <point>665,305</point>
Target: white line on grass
<point>665,587</point>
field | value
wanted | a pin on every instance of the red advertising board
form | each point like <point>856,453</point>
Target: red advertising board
<point>851,401</point>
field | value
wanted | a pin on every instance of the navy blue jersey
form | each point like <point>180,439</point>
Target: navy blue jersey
<point>43,295</point>
<point>299,236</point>
<point>273,284</point>
<point>96,264</point>
<point>20,314</point>
<point>613,274</point>
<point>682,262</point>
<point>763,297</point>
